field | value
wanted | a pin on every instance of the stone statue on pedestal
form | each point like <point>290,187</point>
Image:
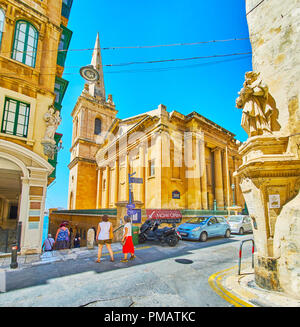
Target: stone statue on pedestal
<point>52,120</point>
<point>259,111</point>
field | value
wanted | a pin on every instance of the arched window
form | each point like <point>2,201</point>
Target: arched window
<point>25,43</point>
<point>2,16</point>
<point>97,130</point>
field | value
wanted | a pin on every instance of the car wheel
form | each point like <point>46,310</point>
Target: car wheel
<point>142,238</point>
<point>172,241</point>
<point>241,231</point>
<point>203,237</point>
<point>227,233</point>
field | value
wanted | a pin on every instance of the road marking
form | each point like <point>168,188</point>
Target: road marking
<point>215,283</point>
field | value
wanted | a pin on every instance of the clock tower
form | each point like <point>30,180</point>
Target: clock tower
<point>92,117</point>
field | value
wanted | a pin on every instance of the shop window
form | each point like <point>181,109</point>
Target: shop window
<point>15,117</point>
<point>25,43</point>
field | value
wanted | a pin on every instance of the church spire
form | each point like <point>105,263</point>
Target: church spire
<point>97,89</point>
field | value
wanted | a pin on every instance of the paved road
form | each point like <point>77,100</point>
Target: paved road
<point>156,278</point>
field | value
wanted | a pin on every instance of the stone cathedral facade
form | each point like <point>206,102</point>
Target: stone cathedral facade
<point>185,161</point>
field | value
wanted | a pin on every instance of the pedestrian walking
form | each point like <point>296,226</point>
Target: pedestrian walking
<point>128,246</point>
<point>62,237</point>
<point>77,240</point>
<point>105,236</point>
<point>71,238</point>
<point>48,243</point>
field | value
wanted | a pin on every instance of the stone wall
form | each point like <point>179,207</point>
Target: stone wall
<point>274,29</point>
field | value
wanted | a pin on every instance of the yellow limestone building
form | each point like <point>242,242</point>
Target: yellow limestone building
<point>186,161</point>
<point>31,92</point>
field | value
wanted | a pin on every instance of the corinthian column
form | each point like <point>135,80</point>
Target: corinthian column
<point>142,173</point>
<point>116,186</point>
<point>107,188</point>
<point>99,189</point>
<point>203,175</point>
<point>218,179</point>
<point>127,171</point>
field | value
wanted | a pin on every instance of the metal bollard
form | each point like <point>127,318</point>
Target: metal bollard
<point>240,254</point>
<point>14,256</point>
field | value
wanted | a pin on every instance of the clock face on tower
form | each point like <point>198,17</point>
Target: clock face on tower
<point>90,74</point>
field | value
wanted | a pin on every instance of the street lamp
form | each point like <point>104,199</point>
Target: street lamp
<point>233,200</point>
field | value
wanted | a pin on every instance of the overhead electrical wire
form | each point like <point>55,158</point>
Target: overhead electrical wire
<point>147,62</point>
<point>254,7</point>
<point>136,47</point>
<point>176,67</point>
<point>176,59</point>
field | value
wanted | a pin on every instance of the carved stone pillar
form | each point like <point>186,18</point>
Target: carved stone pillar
<point>107,188</point>
<point>270,182</point>
<point>203,176</point>
<point>116,186</point>
<point>127,171</point>
<point>218,179</point>
<point>142,173</point>
<point>99,189</point>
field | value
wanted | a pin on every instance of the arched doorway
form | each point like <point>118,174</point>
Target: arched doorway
<point>10,197</point>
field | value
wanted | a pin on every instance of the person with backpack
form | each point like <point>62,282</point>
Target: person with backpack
<point>62,237</point>
<point>48,243</point>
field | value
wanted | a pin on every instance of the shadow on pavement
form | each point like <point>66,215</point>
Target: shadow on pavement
<point>40,274</point>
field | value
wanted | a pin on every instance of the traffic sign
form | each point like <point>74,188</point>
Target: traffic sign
<point>131,212</point>
<point>136,215</point>
<point>136,180</point>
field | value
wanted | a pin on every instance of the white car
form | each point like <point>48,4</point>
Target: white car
<point>240,224</point>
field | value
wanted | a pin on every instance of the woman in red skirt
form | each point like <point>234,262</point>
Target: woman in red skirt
<point>127,240</point>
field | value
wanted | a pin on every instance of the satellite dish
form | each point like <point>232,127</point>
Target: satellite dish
<point>90,74</point>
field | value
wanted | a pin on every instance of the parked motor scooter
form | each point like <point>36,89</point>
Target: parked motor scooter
<point>149,231</point>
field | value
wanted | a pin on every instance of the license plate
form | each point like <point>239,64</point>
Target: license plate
<point>183,234</point>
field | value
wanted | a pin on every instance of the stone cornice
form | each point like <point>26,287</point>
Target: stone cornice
<point>83,140</point>
<point>29,10</point>
<point>208,122</point>
<point>78,159</point>
<point>95,102</point>
<point>149,133</point>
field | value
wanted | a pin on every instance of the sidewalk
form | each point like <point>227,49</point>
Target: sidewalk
<point>242,291</point>
<point>25,261</point>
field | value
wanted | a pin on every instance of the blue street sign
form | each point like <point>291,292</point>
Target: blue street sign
<point>136,180</point>
<point>176,195</point>
<point>130,212</point>
<point>130,206</point>
<point>136,215</point>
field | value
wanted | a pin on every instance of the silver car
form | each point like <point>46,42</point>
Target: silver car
<point>240,224</point>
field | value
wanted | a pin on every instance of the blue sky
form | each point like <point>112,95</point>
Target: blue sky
<point>208,86</point>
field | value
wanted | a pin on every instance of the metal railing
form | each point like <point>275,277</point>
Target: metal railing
<point>240,253</point>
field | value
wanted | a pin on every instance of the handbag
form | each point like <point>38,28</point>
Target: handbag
<point>111,233</point>
<point>123,243</point>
